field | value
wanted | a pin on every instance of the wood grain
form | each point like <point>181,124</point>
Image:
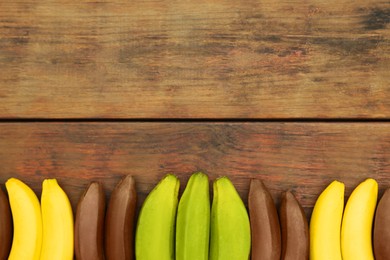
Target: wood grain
<point>302,157</point>
<point>194,59</point>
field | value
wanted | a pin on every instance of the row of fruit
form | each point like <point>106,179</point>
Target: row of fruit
<point>191,228</point>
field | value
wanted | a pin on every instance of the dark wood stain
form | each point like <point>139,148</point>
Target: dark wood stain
<point>352,46</point>
<point>377,19</point>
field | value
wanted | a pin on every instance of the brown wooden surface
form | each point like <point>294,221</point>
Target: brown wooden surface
<point>194,59</point>
<point>303,157</point>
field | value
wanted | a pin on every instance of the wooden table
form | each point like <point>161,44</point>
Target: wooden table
<point>295,93</point>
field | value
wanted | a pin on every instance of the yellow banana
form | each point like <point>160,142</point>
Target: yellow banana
<point>156,222</point>
<point>57,219</point>
<point>357,222</point>
<point>193,220</point>
<point>325,223</point>
<point>230,236</point>
<point>27,219</point>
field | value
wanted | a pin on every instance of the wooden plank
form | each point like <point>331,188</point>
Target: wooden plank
<point>148,58</point>
<point>302,157</point>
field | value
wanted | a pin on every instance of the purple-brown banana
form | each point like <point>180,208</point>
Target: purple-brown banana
<point>5,226</point>
<point>265,228</point>
<point>89,224</point>
<point>120,221</point>
<point>381,232</point>
<point>294,229</point>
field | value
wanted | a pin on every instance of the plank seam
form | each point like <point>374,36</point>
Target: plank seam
<point>194,120</point>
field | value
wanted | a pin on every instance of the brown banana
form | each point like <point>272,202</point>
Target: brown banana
<point>5,226</point>
<point>382,228</point>
<point>265,229</point>
<point>89,223</point>
<point>294,229</point>
<point>120,221</point>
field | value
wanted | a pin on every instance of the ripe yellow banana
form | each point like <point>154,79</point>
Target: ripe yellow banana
<point>57,219</point>
<point>27,219</point>
<point>357,222</point>
<point>325,223</point>
<point>193,220</point>
<point>230,236</point>
<point>156,222</point>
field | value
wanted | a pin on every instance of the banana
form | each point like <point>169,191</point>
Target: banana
<point>57,219</point>
<point>193,220</point>
<point>156,222</point>
<point>325,223</point>
<point>120,218</point>
<point>357,222</point>
<point>5,226</point>
<point>89,223</point>
<point>382,228</point>
<point>230,236</point>
<point>295,229</point>
<point>27,221</point>
<point>265,229</point>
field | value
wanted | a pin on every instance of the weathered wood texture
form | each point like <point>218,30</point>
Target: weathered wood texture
<point>302,157</point>
<point>194,59</point>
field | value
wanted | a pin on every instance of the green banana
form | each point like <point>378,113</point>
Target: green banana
<point>230,236</point>
<point>156,222</point>
<point>193,220</point>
